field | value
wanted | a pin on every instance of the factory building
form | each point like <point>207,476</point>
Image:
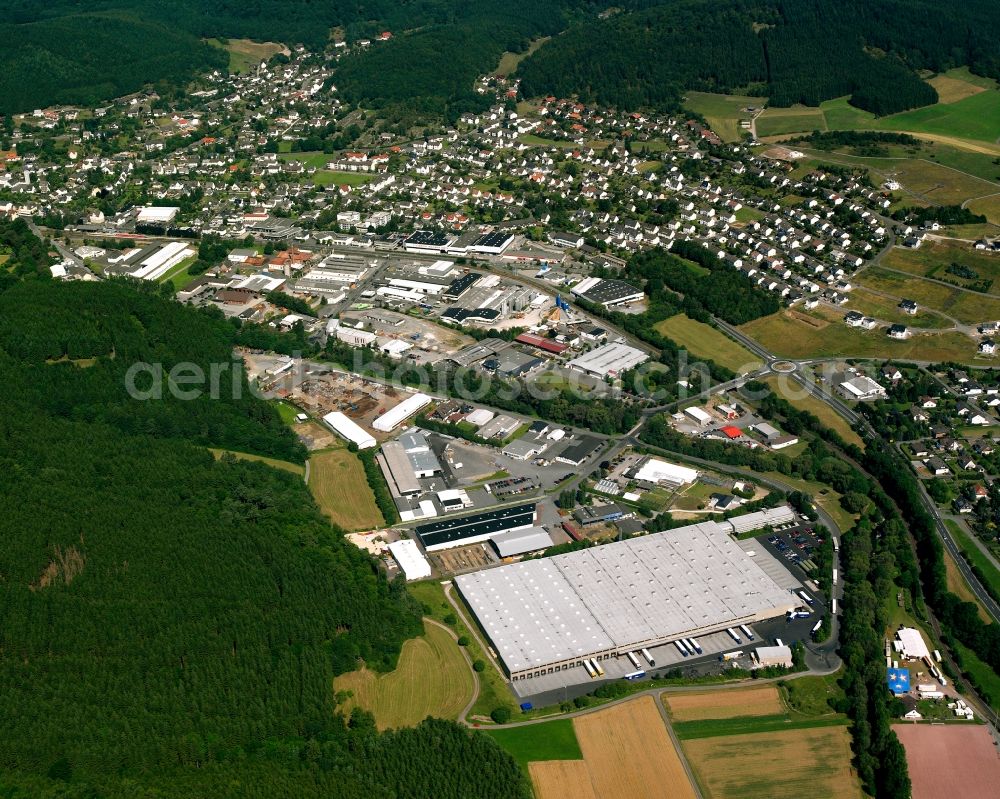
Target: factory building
<point>609,360</point>
<point>548,615</point>
<point>608,293</point>
<point>394,417</point>
<point>349,430</point>
<point>410,559</point>
<point>476,528</point>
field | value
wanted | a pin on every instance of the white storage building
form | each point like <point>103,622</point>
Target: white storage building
<point>699,415</point>
<point>656,471</point>
<point>356,338</point>
<point>349,430</point>
<point>392,418</point>
<point>410,559</point>
<point>611,359</point>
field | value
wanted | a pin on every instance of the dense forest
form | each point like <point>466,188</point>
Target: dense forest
<point>794,51</point>
<point>170,622</point>
<point>646,55</point>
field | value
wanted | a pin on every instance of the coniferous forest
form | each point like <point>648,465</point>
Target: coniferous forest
<point>646,53</point>
<point>170,623</point>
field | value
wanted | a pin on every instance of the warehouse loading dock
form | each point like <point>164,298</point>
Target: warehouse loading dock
<point>544,616</point>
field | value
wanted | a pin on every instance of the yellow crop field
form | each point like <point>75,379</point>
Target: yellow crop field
<point>432,678</point>
<point>813,762</point>
<point>762,701</point>
<point>337,481</point>
<point>629,754</point>
<point>562,779</point>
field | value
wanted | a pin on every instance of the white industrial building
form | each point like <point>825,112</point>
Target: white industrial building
<point>910,644</point>
<point>349,430</point>
<point>862,388</point>
<point>520,542</point>
<point>653,470</point>
<point>611,359</point>
<point>410,559</point>
<point>700,416</point>
<point>548,615</point>
<point>354,337</point>
<point>773,656</point>
<point>392,418</point>
<point>157,214</point>
<point>163,260</point>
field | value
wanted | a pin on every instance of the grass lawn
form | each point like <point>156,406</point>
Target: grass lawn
<point>975,117</point>
<point>960,588</point>
<point>987,679</point>
<point>988,207</point>
<point>823,495</point>
<point>793,393</point>
<point>975,555</point>
<point>509,61</point>
<point>315,159</point>
<point>797,334</point>
<point>934,257</point>
<point>887,310</point>
<point>797,119</point>
<point>178,275</point>
<point>327,177</point>
<point>742,725</point>
<point>338,483</point>
<point>841,115</point>
<point>432,678</point>
<point>288,466</point>
<point>811,696</point>
<point>493,691</point>
<point>704,341</point>
<point>723,112</point>
<point>966,306</point>
<point>286,412</point>
<point>550,740</point>
<point>539,141</point>
<point>245,54</point>
<point>747,214</point>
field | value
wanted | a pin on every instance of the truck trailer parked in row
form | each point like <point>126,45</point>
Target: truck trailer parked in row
<point>746,632</point>
<point>733,635</point>
<point>649,657</point>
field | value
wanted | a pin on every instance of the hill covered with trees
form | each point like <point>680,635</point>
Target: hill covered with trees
<point>170,623</point>
<point>794,51</point>
<point>643,53</point>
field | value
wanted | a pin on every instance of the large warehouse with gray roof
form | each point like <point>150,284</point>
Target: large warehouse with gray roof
<point>548,615</point>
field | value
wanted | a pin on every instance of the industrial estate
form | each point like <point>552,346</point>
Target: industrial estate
<point>516,440</point>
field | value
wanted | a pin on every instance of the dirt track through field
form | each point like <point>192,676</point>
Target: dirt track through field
<point>950,760</point>
<point>630,755</point>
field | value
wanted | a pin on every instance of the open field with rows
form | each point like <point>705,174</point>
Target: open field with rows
<point>779,765</point>
<point>797,119</point>
<point>762,701</point>
<point>338,483</point>
<point>950,760</point>
<point>704,341</point>
<point>562,779</point>
<point>432,678</point>
<point>629,753</point>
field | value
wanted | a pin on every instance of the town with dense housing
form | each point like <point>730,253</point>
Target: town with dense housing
<point>614,448</point>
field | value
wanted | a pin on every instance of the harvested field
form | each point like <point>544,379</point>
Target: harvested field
<point>946,760</point>
<point>789,764</point>
<point>432,678</point>
<point>629,753</point>
<point>287,466</point>
<point>704,341</point>
<point>562,779</point>
<point>763,701</point>
<point>338,482</point>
